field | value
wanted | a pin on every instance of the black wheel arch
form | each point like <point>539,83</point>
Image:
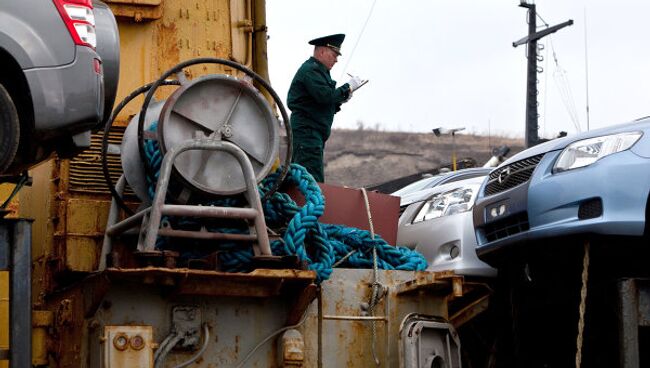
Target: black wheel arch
<point>14,81</point>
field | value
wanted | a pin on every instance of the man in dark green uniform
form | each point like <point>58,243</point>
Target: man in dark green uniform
<point>313,100</point>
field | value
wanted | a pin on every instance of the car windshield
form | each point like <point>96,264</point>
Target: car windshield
<point>419,185</point>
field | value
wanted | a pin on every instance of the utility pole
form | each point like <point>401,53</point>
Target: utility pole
<point>532,136</point>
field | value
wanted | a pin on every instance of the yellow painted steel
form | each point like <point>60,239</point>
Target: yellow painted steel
<point>155,35</point>
<point>5,192</point>
<point>41,321</point>
<point>4,314</point>
<point>186,29</point>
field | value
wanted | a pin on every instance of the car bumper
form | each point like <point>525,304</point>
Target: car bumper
<point>62,107</point>
<point>549,205</point>
<point>436,239</point>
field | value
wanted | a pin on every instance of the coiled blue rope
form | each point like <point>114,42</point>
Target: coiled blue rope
<point>319,245</point>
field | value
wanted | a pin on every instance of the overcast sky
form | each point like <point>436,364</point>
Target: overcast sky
<point>451,63</point>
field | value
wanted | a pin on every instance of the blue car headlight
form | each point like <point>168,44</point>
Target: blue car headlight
<point>587,151</point>
<point>446,204</point>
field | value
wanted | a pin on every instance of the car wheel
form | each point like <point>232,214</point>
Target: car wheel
<point>9,129</point>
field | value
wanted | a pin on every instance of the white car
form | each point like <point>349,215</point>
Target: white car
<point>439,224</point>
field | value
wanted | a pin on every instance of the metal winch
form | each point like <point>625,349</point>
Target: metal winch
<point>213,107</point>
<point>215,135</point>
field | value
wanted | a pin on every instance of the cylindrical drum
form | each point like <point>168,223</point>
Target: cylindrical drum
<point>216,107</point>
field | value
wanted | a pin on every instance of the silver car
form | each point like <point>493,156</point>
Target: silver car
<point>438,223</point>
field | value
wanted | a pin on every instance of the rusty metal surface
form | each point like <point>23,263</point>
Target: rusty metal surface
<point>128,346</point>
<point>84,232</point>
<point>347,342</point>
<point>71,308</point>
<point>301,303</point>
<point>156,37</point>
<point>258,283</point>
<point>239,323</point>
<point>470,311</point>
<point>429,281</point>
<point>41,322</point>
<point>241,30</point>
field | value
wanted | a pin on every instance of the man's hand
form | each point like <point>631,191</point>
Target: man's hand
<point>349,96</point>
<point>355,83</point>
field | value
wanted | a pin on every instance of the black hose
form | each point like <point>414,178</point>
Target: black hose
<point>256,77</point>
<point>109,183</point>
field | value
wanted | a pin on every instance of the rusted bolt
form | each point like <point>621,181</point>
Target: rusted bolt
<point>121,341</point>
<point>137,342</point>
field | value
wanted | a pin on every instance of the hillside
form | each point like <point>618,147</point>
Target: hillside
<point>358,158</point>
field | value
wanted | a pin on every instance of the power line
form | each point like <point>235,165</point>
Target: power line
<point>345,68</point>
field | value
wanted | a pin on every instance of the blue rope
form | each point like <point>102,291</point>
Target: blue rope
<point>319,245</point>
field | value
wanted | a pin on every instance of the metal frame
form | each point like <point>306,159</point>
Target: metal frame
<point>149,219</point>
<point>16,257</point>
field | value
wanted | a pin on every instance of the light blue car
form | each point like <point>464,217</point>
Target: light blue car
<point>596,182</point>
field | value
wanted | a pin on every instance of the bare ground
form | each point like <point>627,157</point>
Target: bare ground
<point>358,158</point>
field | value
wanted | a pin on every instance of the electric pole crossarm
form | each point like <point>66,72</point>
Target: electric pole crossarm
<point>537,35</point>
<point>531,133</point>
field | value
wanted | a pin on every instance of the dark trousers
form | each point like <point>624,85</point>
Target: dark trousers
<point>308,152</point>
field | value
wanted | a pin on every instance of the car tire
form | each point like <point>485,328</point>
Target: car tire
<point>9,130</point>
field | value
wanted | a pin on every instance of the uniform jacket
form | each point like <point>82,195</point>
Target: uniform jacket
<point>314,99</point>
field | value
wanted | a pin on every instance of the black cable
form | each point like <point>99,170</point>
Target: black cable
<point>109,183</point>
<point>256,77</point>
<point>19,185</point>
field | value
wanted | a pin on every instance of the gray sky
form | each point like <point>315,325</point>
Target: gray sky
<point>451,63</point>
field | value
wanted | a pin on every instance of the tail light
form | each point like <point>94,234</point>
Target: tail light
<point>79,19</point>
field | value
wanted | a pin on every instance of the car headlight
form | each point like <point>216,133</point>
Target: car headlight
<point>587,151</point>
<point>445,204</point>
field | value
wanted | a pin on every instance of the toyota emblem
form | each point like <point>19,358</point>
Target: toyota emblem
<point>503,175</point>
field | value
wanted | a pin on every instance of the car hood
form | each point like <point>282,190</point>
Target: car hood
<point>425,194</point>
<point>417,196</point>
<point>561,143</point>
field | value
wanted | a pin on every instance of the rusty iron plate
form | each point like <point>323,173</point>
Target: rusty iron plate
<point>184,281</point>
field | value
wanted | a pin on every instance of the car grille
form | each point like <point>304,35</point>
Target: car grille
<point>511,175</point>
<point>506,227</point>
